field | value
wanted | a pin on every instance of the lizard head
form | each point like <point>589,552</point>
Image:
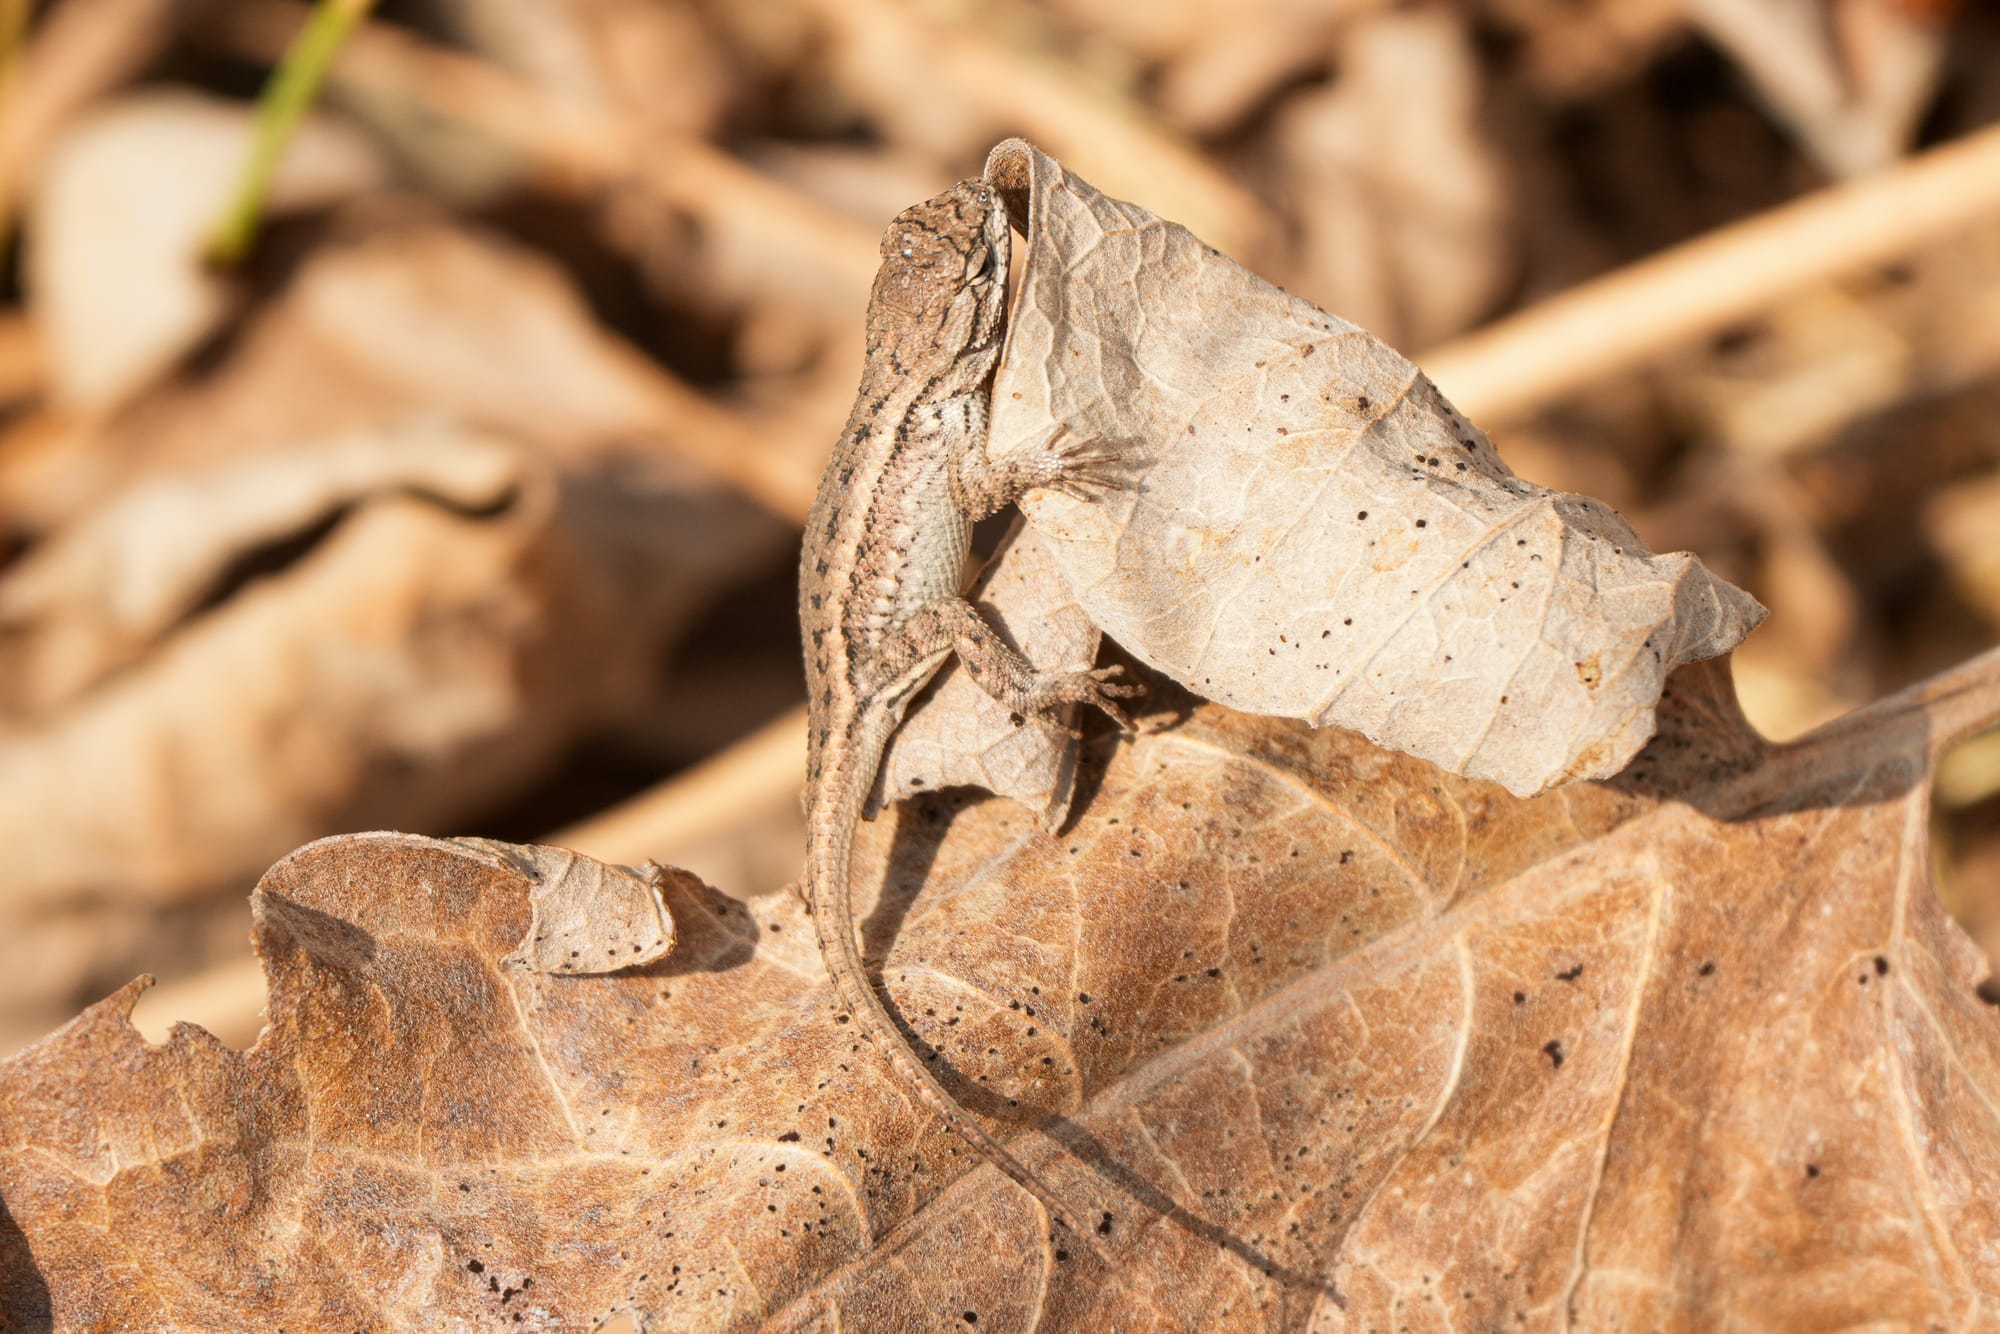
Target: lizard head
<point>944,268</point>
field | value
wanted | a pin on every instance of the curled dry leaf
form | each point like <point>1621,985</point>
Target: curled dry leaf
<point>586,917</point>
<point>396,639</point>
<point>104,590</point>
<point>1329,1038</point>
<point>439,314</point>
<point>958,735</point>
<point>1312,530</point>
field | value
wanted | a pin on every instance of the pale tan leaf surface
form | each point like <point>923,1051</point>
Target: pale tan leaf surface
<point>1313,530</point>
<point>958,735</point>
<point>120,213</point>
<point>1694,1048</point>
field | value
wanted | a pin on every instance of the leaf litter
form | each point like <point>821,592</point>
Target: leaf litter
<point>1333,1036</point>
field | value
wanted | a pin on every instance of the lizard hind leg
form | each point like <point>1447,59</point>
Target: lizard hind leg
<point>1010,678</point>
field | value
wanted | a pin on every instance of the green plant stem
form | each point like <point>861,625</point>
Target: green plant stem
<point>14,16</point>
<point>282,104</point>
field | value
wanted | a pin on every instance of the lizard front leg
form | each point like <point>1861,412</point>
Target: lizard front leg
<point>1003,673</point>
<point>1063,461</point>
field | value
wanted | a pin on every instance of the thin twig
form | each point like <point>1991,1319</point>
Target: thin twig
<point>1614,324</point>
<point>81,50</point>
<point>13,34</point>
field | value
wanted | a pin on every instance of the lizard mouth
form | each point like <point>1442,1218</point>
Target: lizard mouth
<point>982,265</point>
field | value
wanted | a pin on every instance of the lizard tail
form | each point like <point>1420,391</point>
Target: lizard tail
<point>842,793</point>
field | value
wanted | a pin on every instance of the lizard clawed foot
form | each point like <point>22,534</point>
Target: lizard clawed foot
<point>1098,687</point>
<point>1082,469</point>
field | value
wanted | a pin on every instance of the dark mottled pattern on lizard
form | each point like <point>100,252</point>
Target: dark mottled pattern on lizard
<point>881,574</point>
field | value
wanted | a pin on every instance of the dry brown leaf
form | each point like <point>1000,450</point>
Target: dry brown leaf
<point>958,735</point>
<point>1851,77</point>
<point>439,315</point>
<point>1693,1049</point>
<point>408,319</point>
<point>103,591</point>
<point>946,86</point>
<point>1960,524</point>
<point>1400,199</point>
<point>1219,59</point>
<point>120,215</point>
<point>436,314</point>
<point>1312,530</point>
<point>405,628</point>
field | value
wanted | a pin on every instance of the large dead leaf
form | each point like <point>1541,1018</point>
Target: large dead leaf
<point>1312,530</point>
<point>1695,1048</point>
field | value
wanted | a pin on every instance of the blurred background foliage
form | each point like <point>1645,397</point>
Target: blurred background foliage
<point>465,501</point>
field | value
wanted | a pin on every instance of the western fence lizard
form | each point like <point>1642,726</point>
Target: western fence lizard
<point>881,577</point>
